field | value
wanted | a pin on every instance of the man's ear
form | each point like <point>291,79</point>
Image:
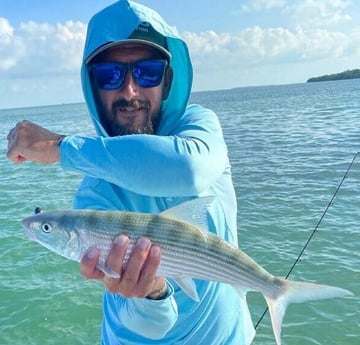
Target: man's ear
<point>167,83</point>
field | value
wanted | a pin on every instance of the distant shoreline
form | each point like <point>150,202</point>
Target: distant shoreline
<point>349,74</point>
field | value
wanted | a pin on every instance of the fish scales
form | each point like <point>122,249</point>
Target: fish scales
<point>222,260</point>
<point>188,251</point>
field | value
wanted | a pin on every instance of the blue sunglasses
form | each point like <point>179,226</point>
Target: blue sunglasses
<point>112,75</point>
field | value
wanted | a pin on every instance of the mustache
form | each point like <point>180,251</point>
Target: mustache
<point>134,103</point>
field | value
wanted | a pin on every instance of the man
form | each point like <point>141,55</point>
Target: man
<point>153,151</point>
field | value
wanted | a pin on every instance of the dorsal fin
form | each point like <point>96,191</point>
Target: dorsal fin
<point>194,211</point>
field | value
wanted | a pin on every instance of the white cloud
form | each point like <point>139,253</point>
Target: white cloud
<point>7,42</point>
<point>36,49</point>
<point>255,50</point>
<point>258,5</point>
<point>307,13</point>
<point>312,13</point>
<point>6,31</point>
<point>40,63</point>
<point>256,45</point>
<point>207,42</point>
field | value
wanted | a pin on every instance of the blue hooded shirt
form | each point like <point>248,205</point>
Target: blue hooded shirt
<point>187,158</point>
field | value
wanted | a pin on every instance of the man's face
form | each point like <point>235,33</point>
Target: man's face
<point>131,109</point>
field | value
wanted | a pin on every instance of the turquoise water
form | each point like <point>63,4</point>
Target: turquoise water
<point>290,147</point>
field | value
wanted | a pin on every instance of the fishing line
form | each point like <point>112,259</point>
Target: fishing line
<point>315,229</point>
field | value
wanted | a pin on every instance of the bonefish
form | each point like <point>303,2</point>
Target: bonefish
<point>189,251</point>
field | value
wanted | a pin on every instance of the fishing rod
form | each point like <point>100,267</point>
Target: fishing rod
<point>315,229</point>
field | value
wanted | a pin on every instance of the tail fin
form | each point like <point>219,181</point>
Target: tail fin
<point>297,292</point>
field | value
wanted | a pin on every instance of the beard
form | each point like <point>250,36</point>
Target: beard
<point>146,125</point>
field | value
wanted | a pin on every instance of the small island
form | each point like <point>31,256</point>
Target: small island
<point>349,74</point>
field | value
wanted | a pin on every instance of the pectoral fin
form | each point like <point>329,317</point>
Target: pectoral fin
<point>108,271</point>
<point>189,287</point>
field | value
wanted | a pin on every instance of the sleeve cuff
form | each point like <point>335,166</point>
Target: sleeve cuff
<point>169,292</point>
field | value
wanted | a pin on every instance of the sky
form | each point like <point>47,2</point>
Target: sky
<point>233,43</point>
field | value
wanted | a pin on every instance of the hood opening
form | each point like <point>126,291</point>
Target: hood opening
<point>127,20</point>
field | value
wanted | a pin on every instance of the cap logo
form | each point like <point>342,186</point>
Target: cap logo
<point>143,27</point>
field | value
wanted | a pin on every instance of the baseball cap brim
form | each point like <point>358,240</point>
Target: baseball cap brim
<point>128,41</point>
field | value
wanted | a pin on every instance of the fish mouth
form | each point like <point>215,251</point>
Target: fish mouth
<point>30,234</point>
<point>25,223</point>
<point>26,226</point>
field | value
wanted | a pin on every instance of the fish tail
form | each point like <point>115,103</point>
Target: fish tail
<point>296,292</point>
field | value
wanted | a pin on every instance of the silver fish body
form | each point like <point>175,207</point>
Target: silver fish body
<point>189,251</point>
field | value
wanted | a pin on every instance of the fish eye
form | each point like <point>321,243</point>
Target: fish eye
<point>46,227</point>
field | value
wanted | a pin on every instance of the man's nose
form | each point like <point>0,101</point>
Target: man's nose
<point>130,87</point>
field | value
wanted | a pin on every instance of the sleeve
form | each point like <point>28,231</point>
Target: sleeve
<point>174,165</point>
<point>140,315</point>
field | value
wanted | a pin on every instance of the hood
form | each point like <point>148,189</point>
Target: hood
<point>116,23</point>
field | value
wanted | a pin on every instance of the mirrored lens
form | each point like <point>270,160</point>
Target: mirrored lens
<point>110,76</point>
<point>149,73</point>
<point>146,73</point>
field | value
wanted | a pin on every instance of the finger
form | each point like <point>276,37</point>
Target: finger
<point>132,271</point>
<point>147,279</point>
<point>117,254</point>
<point>115,261</point>
<point>11,134</point>
<point>13,153</point>
<point>88,265</point>
<point>10,146</point>
<point>14,156</point>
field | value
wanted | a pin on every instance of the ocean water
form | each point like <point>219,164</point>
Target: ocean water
<point>290,147</point>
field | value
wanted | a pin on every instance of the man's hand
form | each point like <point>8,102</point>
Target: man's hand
<point>28,141</point>
<point>138,278</point>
